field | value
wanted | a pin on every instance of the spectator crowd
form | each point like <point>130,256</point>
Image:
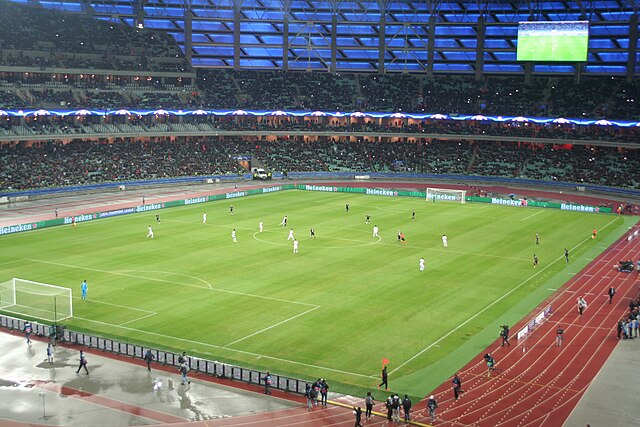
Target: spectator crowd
<point>53,164</point>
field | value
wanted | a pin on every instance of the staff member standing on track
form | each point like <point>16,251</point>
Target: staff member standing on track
<point>456,383</point>
<point>559,336</point>
<point>432,405</point>
<point>385,379</point>
<point>505,335</point>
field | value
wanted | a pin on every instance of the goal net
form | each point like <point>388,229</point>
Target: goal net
<point>33,299</point>
<point>437,194</point>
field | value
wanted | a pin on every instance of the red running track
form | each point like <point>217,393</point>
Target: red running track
<point>539,383</point>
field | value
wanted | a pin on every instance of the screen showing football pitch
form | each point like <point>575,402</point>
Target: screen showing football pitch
<point>553,41</point>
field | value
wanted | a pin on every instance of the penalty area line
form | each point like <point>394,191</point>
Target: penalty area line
<point>118,305</point>
<point>139,318</point>
<point>272,326</point>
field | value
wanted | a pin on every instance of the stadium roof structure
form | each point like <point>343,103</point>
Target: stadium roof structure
<point>415,36</point>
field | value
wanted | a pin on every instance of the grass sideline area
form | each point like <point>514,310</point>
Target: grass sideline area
<point>338,307</point>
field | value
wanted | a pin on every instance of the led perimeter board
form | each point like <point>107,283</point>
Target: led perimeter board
<point>553,41</point>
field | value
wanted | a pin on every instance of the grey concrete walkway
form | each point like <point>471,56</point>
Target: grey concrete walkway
<point>115,393</point>
<point>39,208</point>
<point>612,399</point>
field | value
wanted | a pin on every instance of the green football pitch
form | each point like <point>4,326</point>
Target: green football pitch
<point>334,310</point>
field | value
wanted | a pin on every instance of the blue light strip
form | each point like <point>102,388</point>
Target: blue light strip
<point>371,115</point>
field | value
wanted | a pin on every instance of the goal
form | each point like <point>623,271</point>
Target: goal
<point>437,194</point>
<point>33,299</point>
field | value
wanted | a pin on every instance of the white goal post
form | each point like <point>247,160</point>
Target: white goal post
<point>446,194</point>
<point>34,299</point>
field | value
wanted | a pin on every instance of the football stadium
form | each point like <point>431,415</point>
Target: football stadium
<point>278,213</point>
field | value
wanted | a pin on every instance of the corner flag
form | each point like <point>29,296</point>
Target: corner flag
<point>385,361</point>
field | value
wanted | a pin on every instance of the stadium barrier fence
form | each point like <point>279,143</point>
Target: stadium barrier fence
<point>167,358</point>
<point>17,228</point>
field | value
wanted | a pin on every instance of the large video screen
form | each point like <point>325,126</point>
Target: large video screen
<point>553,41</point>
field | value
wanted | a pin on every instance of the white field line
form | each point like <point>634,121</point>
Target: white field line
<point>25,306</point>
<point>532,215</point>
<point>172,282</point>
<point>293,362</point>
<point>139,318</point>
<point>271,327</point>
<point>118,305</point>
<point>561,257</point>
<point>10,262</point>
<point>170,273</point>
